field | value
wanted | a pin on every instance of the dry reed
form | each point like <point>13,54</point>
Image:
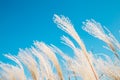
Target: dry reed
<point>41,63</point>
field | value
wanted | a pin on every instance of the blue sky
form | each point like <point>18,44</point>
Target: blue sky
<point>24,21</point>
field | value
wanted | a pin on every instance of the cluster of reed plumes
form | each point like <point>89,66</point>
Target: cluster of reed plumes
<point>40,62</point>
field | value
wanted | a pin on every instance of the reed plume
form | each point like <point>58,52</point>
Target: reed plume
<point>65,24</point>
<point>95,29</point>
<point>41,62</point>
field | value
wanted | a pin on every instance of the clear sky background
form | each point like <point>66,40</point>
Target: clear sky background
<point>24,21</point>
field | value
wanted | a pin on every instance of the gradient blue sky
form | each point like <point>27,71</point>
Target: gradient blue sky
<point>23,21</point>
